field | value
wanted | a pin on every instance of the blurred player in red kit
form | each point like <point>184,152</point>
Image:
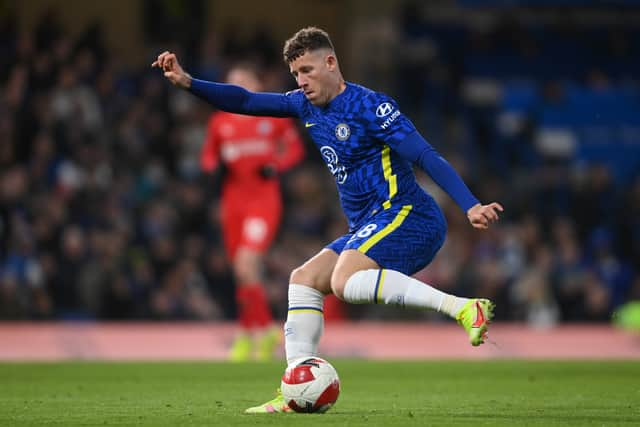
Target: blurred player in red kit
<point>253,152</point>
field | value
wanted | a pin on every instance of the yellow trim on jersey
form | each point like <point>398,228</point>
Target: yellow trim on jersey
<point>397,221</point>
<point>388,176</point>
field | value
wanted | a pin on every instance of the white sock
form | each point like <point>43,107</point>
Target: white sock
<point>305,322</point>
<point>394,288</point>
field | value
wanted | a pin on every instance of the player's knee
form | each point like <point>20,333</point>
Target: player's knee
<point>338,282</point>
<point>247,266</point>
<point>305,276</point>
<point>245,272</point>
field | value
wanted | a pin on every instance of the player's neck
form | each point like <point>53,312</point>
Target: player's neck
<point>342,85</point>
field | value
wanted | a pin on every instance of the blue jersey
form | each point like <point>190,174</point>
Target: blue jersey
<point>367,143</point>
<point>356,134</point>
<point>369,147</point>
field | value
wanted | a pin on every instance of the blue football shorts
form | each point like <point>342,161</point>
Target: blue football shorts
<point>403,238</point>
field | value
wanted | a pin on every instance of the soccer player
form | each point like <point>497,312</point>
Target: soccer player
<point>395,228</point>
<point>253,151</point>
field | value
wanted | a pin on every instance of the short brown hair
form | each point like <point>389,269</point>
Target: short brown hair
<point>306,40</point>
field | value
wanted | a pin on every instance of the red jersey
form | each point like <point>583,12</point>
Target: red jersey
<point>251,204</point>
<point>245,144</point>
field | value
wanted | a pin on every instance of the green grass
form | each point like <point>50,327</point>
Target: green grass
<point>496,393</point>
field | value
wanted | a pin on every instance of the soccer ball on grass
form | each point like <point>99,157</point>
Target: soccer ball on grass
<point>310,384</point>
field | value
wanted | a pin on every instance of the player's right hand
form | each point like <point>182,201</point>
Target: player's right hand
<point>168,62</point>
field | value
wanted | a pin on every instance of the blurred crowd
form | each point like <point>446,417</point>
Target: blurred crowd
<point>104,213</point>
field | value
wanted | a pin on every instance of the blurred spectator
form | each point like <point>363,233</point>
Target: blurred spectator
<point>531,293</point>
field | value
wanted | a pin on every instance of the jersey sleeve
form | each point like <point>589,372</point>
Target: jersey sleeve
<point>209,157</point>
<point>387,124</point>
<point>290,149</point>
<point>235,99</point>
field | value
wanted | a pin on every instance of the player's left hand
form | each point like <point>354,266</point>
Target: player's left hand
<point>480,216</point>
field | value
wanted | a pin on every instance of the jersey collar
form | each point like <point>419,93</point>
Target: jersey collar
<point>337,102</point>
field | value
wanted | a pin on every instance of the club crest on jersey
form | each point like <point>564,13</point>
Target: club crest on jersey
<point>333,163</point>
<point>384,109</point>
<point>343,132</point>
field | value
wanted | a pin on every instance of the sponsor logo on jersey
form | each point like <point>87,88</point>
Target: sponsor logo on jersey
<point>384,109</point>
<point>390,119</point>
<point>233,150</point>
<point>308,125</point>
<point>333,163</point>
<point>343,132</point>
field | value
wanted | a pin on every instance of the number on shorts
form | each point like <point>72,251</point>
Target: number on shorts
<point>364,232</point>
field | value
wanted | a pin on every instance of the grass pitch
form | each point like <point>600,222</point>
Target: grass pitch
<point>495,393</point>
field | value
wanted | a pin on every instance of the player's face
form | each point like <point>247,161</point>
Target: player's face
<point>317,75</point>
<point>245,79</point>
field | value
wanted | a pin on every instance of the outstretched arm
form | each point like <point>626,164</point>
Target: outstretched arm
<point>389,125</point>
<point>416,149</point>
<point>226,97</point>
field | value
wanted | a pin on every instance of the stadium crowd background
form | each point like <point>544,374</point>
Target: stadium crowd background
<point>104,213</point>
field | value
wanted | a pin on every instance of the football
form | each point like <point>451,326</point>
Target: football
<point>310,385</point>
